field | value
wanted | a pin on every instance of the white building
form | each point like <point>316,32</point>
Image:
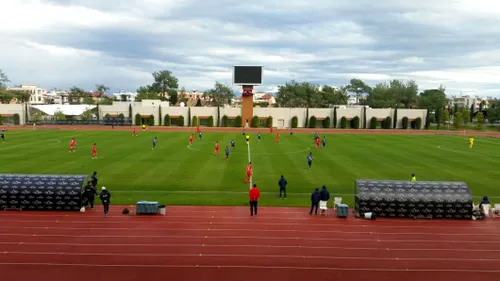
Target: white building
<point>467,101</point>
<point>125,96</point>
<point>37,95</point>
<point>57,97</point>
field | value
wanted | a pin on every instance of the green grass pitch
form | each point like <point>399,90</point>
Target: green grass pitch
<point>176,174</point>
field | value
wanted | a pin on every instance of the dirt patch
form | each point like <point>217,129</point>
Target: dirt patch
<point>262,130</point>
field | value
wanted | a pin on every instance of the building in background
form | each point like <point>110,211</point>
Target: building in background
<point>37,95</point>
<point>468,101</point>
<point>125,96</point>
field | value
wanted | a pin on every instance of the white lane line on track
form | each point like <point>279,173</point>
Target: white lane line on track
<point>302,257</point>
<point>134,228</point>
<point>281,238</point>
<point>297,268</point>
<point>252,246</point>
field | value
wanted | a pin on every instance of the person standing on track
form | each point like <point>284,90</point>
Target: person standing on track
<point>282,184</point>
<point>90,193</point>
<point>105,197</point>
<point>254,195</point>
<point>94,179</point>
<point>315,198</point>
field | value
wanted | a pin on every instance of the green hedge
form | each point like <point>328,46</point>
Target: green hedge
<point>269,122</point>
<point>326,122</point>
<point>404,123</point>
<point>395,118</point>
<point>355,122</point>
<point>210,121</point>
<point>237,121</point>
<point>180,121</point>
<point>388,122</point>
<point>120,116</point>
<point>167,120</point>
<point>343,122</point>
<point>295,122</point>
<point>418,123</point>
<point>138,119</point>
<point>1,120</point>
<point>17,119</point>
<point>373,122</point>
<point>224,121</point>
<point>312,122</point>
<point>195,121</point>
<point>335,117</point>
<point>255,122</point>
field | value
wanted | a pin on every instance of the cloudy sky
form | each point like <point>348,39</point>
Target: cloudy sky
<point>61,43</point>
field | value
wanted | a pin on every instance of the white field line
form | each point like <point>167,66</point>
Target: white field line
<point>195,245</point>
<point>297,268</point>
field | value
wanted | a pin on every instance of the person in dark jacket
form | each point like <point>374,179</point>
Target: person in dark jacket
<point>282,184</point>
<point>315,198</point>
<point>90,193</point>
<point>94,179</point>
<point>105,197</point>
<point>325,196</point>
<point>485,200</point>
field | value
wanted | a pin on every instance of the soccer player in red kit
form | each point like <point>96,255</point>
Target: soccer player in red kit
<point>72,144</point>
<point>134,133</point>
<point>191,139</point>
<point>216,152</point>
<point>197,130</point>
<point>317,142</point>
<point>94,151</point>
<point>249,172</point>
<point>271,129</point>
<point>277,137</point>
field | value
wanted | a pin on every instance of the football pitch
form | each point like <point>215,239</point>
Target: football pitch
<point>178,174</point>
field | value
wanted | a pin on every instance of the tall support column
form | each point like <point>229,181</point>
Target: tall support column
<point>247,106</point>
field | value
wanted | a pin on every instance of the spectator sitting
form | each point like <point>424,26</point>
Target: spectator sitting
<point>325,196</point>
<point>485,201</point>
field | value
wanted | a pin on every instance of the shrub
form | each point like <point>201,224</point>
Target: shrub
<point>335,117</point>
<point>237,121</point>
<point>295,122</point>
<point>138,119</point>
<point>180,121</point>
<point>151,120</point>
<point>326,122</point>
<point>343,122</point>
<point>120,116</point>
<point>404,122</point>
<point>17,119</point>
<point>418,123</point>
<point>373,122</point>
<point>355,122</point>
<point>167,120</point>
<point>195,121</point>
<point>255,122</point>
<point>395,118</point>
<point>312,122</point>
<point>388,122</point>
<point>189,116</point>
<point>224,121</point>
<point>1,118</point>
<point>106,115</point>
<point>269,122</point>
<point>210,121</point>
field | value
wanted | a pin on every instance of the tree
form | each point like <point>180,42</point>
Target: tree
<point>198,102</point>
<point>358,87</point>
<point>88,100</point>
<point>3,80</point>
<point>445,116</point>
<point>220,95</point>
<point>183,96</point>
<point>303,94</point>
<point>432,100</point>
<point>144,93</point>
<point>76,95</point>
<point>466,115</point>
<point>493,112</point>
<point>480,121</point>
<point>458,122</point>
<point>482,104</point>
<point>165,83</point>
<point>332,96</point>
<point>101,90</point>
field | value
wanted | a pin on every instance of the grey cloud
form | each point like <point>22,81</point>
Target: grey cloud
<point>321,41</point>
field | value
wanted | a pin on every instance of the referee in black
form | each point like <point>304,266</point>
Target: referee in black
<point>90,193</point>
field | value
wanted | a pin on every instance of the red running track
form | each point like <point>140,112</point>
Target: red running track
<point>226,244</point>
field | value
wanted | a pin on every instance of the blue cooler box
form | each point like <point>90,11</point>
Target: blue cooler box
<point>342,210</point>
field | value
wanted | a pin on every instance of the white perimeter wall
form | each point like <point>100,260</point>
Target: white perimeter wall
<point>281,116</point>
